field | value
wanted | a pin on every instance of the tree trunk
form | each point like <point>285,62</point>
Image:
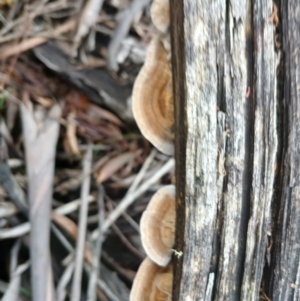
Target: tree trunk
<point>236,84</point>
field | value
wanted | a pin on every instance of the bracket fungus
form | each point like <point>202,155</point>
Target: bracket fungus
<point>158,225</point>
<point>160,15</point>
<point>152,283</point>
<point>152,100</point>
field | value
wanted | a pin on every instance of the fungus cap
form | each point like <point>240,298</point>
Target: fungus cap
<point>158,226</point>
<point>152,283</point>
<point>152,99</point>
<point>160,14</point>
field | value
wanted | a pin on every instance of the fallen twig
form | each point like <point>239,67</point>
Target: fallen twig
<point>63,282</point>
<point>142,172</point>
<point>88,18</point>
<point>122,30</point>
<point>76,286</point>
<point>129,199</point>
<point>10,50</point>
<point>92,296</point>
<point>124,240</point>
<point>12,188</point>
<point>12,292</point>
<point>24,228</point>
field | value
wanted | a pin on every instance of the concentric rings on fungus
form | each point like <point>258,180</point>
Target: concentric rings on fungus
<point>158,226</point>
<point>160,15</point>
<point>152,100</point>
<point>152,283</point>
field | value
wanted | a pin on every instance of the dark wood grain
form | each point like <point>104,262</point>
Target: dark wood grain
<point>178,72</point>
<point>286,267</point>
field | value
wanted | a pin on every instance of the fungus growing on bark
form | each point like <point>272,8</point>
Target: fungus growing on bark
<point>152,283</point>
<point>152,100</point>
<point>158,225</point>
<point>160,14</point>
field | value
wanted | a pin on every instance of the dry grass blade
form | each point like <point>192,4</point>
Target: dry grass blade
<point>10,50</point>
<point>72,206</point>
<point>25,227</point>
<point>60,236</point>
<point>15,232</point>
<point>127,217</point>
<point>127,243</point>
<point>63,282</point>
<point>103,286</point>
<point>142,172</point>
<point>40,144</point>
<point>12,188</point>
<point>129,275</point>
<point>80,247</point>
<point>129,199</point>
<point>14,256</point>
<point>123,238</point>
<point>12,292</point>
<point>7,209</point>
<point>92,296</point>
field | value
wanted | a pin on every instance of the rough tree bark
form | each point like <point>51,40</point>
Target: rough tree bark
<point>236,84</point>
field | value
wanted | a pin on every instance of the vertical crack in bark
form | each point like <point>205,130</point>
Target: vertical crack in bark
<point>179,94</point>
<point>237,182</point>
<point>248,189</point>
<point>265,147</point>
<point>250,102</point>
<point>282,130</point>
<point>285,284</point>
<point>221,178</point>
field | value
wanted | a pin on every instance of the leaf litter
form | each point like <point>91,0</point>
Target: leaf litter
<point>66,74</point>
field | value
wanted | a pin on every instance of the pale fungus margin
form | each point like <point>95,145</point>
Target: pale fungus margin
<point>158,226</point>
<point>152,100</point>
<point>153,110</point>
<point>152,283</point>
<point>160,14</point>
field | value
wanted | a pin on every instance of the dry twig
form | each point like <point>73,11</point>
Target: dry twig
<point>8,51</point>
<point>129,199</point>
<point>96,249</point>
<point>88,18</point>
<point>122,30</point>
<point>76,286</point>
<point>25,227</point>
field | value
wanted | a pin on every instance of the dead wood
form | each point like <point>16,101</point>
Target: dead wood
<point>237,152</point>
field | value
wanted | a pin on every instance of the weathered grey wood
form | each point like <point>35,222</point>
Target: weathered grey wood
<point>286,261</point>
<point>238,223</point>
<point>265,147</point>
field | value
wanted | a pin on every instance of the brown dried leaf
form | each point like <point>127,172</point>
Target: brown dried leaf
<point>64,222</point>
<point>71,228</point>
<point>77,101</point>
<point>71,139</point>
<point>44,101</point>
<point>114,165</point>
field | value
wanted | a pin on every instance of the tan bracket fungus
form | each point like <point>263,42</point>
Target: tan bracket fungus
<point>152,100</point>
<point>153,110</point>
<point>158,226</point>
<point>160,14</point>
<point>152,283</point>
